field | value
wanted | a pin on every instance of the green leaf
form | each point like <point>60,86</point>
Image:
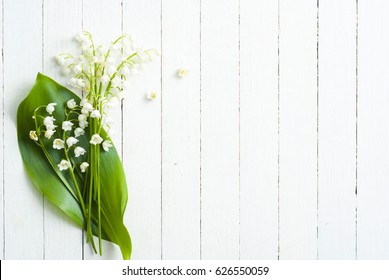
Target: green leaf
<point>56,185</point>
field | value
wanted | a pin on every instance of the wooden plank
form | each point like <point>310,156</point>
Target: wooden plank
<point>63,240</point>
<point>298,130</point>
<point>22,60</point>
<point>220,129</point>
<point>181,130</point>
<point>2,149</point>
<point>373,130</point>
<point>142,134</point>
<point>103,19</point>
<point>337,129</point>
<point>259,129</point>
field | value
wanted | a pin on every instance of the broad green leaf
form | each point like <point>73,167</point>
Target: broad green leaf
<point>57,186</point>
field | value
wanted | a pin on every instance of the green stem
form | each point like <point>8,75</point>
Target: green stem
<point>99,199</point>
<point>117,70</point>
<point>50,160</point>
<point>75,180</point>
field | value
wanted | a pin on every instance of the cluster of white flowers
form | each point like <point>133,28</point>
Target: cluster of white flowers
<point>70,132</point>
<point>101,74</point>
<point>105,71</point>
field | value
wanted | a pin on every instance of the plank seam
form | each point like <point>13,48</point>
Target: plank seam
<point>317,130</point>
<point>200,140</point>
<point>239,134</point>
<point>121,102</point>
<point>82,231</point>
<point>278,131</point>
<point>161,124</point>
<point>43,70</point>
<point>356,125</point>
<point>3,124</point>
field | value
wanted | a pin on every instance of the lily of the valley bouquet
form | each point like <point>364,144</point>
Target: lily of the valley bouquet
<point>64,137</point>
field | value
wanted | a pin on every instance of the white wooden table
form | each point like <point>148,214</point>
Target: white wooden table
<point>275,145</point>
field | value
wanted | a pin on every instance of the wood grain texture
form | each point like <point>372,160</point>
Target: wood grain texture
<point>337,130</point>
<point>23,215</point>
<point>103,19</point>
<point>142,134</point>
<point>181,130</point>
<point>220,129</point>
<point>373,130</point>
<point>259,130</point>
<point>298,130</point>
<point>2,136</point>
<point>63,240</point>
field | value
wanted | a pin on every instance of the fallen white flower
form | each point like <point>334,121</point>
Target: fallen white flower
<point>182,72</point>
<point>151,96</point>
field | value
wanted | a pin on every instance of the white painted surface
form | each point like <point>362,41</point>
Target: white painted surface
<point>337,130</point>
<point>259,130</point>
<point>23,204</point>
<point>181,130</point>
<point>373,131</point>
<point>220,129</point>
<point>255,154</point>
<point>298,130</point>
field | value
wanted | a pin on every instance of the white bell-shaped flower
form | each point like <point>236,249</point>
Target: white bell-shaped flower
<point>84,166</point>
<point>64,165</point>
<point>58,144</point>
<point>96,139</point>
<point>33,135</point>
<point>71,141</point>
<point>49,133</point>
<point>78,132</point>
<point>67,125</point>
<point>50,108</point>
<point>79,151</point>
<point>71,104</point>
